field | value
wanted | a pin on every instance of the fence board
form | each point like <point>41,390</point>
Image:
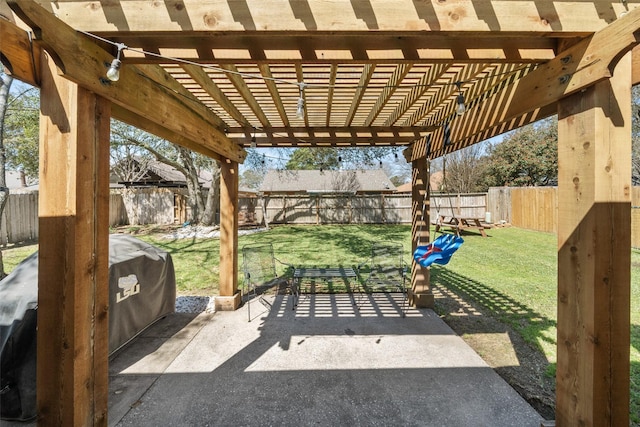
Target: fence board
<point>535,208</point>
<point>499,204</point>
<point>20,218</point>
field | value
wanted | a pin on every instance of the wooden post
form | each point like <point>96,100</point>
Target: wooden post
<point>594,260</point>
<point>229,298</point>
<point>420,294</point>
<point>73,286</point>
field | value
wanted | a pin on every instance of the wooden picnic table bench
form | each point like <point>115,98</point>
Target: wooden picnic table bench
<point>459,224</point>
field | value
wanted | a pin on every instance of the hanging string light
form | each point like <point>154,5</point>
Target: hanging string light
<point>460,108</point>
<point>253,139</point>
<point>300,110</point>
<point>113,73</point>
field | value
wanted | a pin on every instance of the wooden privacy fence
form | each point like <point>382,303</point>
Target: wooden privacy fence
<point>536,208</point>
<point>366,209</point>
<point>19,221</point>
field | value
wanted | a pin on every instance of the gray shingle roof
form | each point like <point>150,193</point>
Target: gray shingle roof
<point>329,181</point>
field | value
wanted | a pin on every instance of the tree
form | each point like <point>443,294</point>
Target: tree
<point>314,158</point>
<point>337,158</point>
<point>526,157</point>
<point>21,133</point>
<point>5,81</point>
<point>189,163</point>
<point>251,179</point>
<point>464,170</point>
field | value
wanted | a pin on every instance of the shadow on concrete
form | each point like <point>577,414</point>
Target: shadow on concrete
<point>326,363</point>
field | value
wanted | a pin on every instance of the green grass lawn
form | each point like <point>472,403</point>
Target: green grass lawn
<point>513,273</point>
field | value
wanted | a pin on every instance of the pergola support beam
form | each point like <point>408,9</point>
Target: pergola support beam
<point>420,294</point>
<point>594,261</point>
<point>73,299</point>
<point>229,298</point>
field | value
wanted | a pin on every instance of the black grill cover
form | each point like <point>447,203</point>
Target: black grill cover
<point>142,289</point>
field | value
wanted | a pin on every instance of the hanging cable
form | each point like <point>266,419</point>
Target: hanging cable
<point>122,46</point>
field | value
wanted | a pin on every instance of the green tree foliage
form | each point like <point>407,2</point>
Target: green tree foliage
<point>21,132</point>
<point>526,157</point>
<point>314,158</point>
<point>338,158</point>
<point>251,179</point>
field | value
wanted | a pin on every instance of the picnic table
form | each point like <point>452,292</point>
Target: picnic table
<point>457,225</point>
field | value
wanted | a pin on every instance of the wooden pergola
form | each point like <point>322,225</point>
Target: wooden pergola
<point>210,75</point>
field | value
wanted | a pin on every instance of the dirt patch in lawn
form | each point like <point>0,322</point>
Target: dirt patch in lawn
<point>518,362</point>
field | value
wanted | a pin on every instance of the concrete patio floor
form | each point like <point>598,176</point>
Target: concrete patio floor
<point>327,363</point>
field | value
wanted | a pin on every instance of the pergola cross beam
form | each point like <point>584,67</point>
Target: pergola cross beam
<point>85,63</point>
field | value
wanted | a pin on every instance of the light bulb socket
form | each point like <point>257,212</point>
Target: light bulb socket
<point>460,108</point>
<point>113,73</point>
<point>300,110</point>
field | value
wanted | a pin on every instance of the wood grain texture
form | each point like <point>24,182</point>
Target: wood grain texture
<point>72,372</point>
<point>594,215</point>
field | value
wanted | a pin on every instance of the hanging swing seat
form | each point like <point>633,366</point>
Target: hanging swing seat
<point>439,251</point>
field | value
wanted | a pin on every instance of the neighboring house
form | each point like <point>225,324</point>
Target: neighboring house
<point>359,181</point>
<point>435,181</point>
<point>158,174</point>
<point>18,182</point>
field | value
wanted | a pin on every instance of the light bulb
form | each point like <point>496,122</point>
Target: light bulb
<point>113,73</point>
<point>253,142</point>
<point>300,111</point>
<point>460,109</point>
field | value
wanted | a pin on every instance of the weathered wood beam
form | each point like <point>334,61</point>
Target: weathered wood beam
<point>533,16</point>
<point>20,56</point>
<point>73,291</point>
<point>331,91</point>
<point>584,64</point>
<point>443,93</point>
<point>365,77</point>
<point>398,75</point>
<point>421,294</point>
<point>265,71</point>
<point>244,91</point>
<point>427,79</point>
<point>84,63</point>
<point>129,117</point>
<point>594,262</point>
<point>578,67</point>
<point>635,66</point>
<point>279,47</point>
<point>229,298</point>
<point>202,78</point>
<point>327,135</point>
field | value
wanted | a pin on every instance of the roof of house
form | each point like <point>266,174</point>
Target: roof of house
<point>435,180</point>
<point>328,181</point>
<point>159,173</point>
<point>16,185</point>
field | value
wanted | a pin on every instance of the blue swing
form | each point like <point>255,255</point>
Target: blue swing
<point>439,251</point>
